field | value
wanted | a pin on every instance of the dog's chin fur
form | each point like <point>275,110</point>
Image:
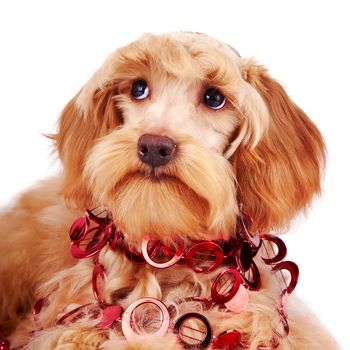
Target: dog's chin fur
<point>175,200</point>
<point>260,149</point>
<point>163,209</point>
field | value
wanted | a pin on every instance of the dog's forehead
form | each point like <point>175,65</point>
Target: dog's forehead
<point>191,38</point>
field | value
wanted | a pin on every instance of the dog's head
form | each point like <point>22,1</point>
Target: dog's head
<point>173,131</point>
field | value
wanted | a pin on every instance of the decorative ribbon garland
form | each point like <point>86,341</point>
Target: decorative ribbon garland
<point>96,229</point>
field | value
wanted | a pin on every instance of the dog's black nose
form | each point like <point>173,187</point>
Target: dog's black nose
<point>155,150</point>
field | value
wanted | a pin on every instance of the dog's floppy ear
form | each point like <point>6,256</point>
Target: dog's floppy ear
<point>79,127</point>
<point>279,176</point>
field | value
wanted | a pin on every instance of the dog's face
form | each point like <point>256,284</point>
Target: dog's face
<point>174,130</point>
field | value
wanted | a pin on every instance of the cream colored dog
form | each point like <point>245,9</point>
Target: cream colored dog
<point>171,134</point>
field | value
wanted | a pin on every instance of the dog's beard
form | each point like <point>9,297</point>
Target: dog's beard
<point>192,197</point>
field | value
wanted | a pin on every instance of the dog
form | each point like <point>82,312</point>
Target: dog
<point>180,158</point>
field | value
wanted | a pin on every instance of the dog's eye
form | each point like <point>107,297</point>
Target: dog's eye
<point>214,99</point>
<point>140,90</point>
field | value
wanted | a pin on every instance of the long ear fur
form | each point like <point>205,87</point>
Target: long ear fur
<point>78,130</point>
<point>280,175</point>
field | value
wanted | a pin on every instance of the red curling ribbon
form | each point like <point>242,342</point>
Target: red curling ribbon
<point>293,269</point>
<point>282,249</point>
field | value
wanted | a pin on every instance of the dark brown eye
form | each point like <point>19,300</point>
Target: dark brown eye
<point>139,90</point>
<point>214,99</point>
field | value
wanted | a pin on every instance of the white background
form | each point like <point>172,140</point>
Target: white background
<point>48,49</point>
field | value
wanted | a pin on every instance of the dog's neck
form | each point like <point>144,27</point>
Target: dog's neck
<point>234,258</point>
<point>92,232</point>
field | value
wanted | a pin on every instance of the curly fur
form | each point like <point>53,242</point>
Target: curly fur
<point>260,148</point>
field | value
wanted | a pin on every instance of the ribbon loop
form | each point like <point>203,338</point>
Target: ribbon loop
<point>293,269</point>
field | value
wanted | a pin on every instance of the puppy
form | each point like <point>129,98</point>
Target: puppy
<point>181,151</point>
